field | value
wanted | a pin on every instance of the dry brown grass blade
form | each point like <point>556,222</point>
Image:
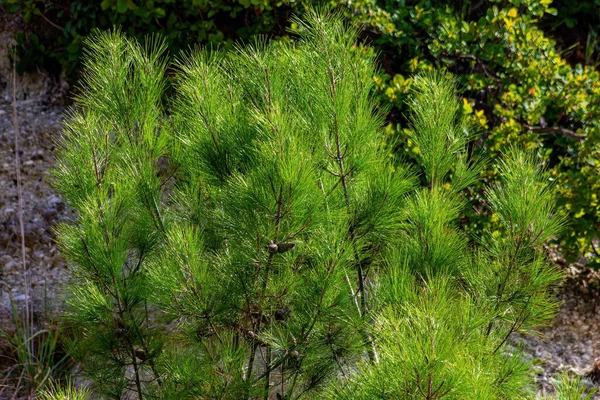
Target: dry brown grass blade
<point>28,314</point>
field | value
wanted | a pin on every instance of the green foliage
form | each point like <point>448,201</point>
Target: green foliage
<point>518,90</point>
<point>56,30</point>
<point>281,145</point>
<point>54,391</point>
<point>445,312</point>
<point>258,239</point>
<point>581,18</point>
<point>572,387</point>
<point>108,172</point>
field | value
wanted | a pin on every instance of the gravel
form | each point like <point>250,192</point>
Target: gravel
<point>42,207</point>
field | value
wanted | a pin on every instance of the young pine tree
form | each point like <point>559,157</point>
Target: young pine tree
<point>108,172</point>
<point>446,309</point>
<point>257,242</point>
<point>284,204</point>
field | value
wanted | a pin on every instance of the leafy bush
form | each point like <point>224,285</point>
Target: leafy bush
<point>576,25</point>
<point>259,239</point>
<point>57,29</point>
<point>518,90</point>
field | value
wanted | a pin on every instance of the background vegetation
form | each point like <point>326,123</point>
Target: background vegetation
<point>517,86</point>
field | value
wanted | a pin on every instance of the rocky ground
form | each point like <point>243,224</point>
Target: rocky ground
<point>42,208</point>
<point>39,110</point>
<point>39,105</point>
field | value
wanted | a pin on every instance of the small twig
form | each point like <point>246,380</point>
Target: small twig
<point>419,383</point>
<point>62,28</point>
<point>555,129</point>
<point>18,386</point>
<point>267,373</point>
<point>476,6</point>
<point>480,63</point>
<point>595,250</point>
<point>158,23</point>
<point>354,297</point>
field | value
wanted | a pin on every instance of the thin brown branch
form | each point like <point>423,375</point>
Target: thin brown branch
<point>489,73</point>
<point>62,28</point>
<point>28,322</point>
<point>555,129</point>
<point>594,249</point>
